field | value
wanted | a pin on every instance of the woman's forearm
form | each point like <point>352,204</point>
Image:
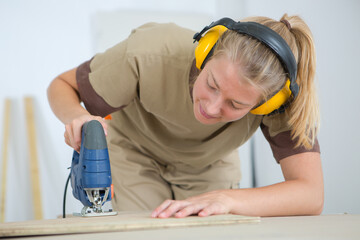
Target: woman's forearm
<point>302,192</point>
<point>294,197</point>
<point>64,100</point>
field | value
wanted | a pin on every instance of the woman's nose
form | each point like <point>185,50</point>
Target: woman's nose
<point>214,107</point>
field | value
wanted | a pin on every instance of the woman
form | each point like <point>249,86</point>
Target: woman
<point>177,119</point>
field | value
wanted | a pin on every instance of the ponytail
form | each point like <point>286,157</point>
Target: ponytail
<point>304,116</point>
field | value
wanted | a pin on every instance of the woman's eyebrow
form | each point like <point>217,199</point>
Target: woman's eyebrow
<point>212,76</point>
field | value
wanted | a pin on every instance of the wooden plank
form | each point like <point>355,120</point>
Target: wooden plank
<point>34,170</point>
<point>6,124</point>
<point>125,221</point>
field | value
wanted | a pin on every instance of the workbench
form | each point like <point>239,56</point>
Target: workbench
<point>340,226</point>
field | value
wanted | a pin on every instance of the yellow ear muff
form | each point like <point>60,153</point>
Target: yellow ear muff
<point>275,102</point>
<point>206,43</point>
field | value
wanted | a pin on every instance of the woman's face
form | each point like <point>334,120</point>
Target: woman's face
<point>220,94</point>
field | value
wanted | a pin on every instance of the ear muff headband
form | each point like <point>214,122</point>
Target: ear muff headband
<point>265,35</point>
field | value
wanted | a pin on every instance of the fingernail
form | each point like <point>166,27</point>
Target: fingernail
<point>202,214</point>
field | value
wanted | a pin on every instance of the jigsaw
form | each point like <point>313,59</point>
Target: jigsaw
<point>90,171</point>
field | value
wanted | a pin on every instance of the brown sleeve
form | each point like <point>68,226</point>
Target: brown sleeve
<point>283,146</point>
<point>94,103</point>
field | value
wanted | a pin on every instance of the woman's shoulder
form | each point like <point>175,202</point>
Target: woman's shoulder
<point>160,39</point>
<point>162,30</point>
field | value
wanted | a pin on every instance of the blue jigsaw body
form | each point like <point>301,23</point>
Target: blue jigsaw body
<point>91,168</point>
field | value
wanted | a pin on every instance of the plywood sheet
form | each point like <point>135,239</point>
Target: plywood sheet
<point>122,222</point>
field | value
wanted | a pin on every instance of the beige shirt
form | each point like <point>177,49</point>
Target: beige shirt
<point>144,83</point>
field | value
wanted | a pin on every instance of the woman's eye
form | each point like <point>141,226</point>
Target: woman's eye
<point>212,88</point>
<point>234,107</point>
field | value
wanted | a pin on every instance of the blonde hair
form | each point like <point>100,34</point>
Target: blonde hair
<point>261,68</point>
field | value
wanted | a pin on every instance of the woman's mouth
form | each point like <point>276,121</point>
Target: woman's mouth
<point>204,113</point>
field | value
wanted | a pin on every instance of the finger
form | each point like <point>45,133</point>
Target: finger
<point>75,144</point>
<point>66,138</point>
<point>105,129</point>
<point>212,209</point>
<point>174,207</point>
<point>189,210</point>
<point>76,131</point>
<point>103,123</point>
<point>204,213</point>
<point>161,208</point>
<point>68,133</point>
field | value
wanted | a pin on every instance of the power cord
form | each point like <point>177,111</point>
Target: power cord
<point>64,200</point>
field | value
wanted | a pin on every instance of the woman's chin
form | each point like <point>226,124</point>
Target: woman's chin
<point>204,120</point>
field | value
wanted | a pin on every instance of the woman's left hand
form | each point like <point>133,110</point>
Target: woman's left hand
<point>211,203</point>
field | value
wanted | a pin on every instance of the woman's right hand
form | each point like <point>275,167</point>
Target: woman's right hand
<point>72,133</point>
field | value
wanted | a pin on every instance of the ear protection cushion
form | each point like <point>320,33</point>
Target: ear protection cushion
<point>275,102</point>
<point>206,44</point>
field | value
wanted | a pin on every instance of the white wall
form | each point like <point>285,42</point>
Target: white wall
<point>42,38</point>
